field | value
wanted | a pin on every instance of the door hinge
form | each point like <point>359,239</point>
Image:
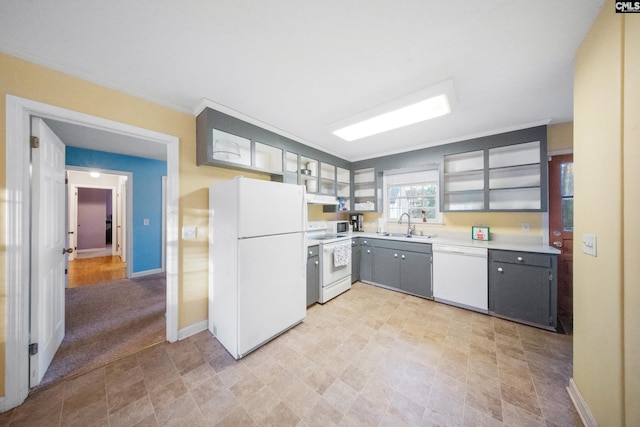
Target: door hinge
<point>66,180</point>
<point>33,349</point>
<point>66,271</point>
<point>550,276</point>
<point>35,142</point>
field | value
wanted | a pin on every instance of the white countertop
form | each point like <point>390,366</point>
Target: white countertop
<point>507,245</point>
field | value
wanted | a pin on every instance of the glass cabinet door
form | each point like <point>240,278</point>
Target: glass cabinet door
<point>327,179</point>
<point>291,168</point>
<point>231,148</point>
<point>343,181</point>
<point>268,158</point>
<point>309,174</point>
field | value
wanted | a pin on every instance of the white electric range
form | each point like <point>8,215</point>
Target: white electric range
<point>335,260</point>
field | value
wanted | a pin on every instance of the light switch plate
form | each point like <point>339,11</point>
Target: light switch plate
<point>189,232</point>
<point>145,221</point>
<point>589,244</point>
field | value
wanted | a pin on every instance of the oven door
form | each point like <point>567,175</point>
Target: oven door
<point>330,273</point>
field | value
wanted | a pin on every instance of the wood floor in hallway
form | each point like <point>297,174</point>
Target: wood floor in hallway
<point>89,271</point>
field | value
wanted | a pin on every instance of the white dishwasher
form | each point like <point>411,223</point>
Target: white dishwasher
<point>460,276</point>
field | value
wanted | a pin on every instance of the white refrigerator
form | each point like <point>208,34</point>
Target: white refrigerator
<point>257,261</point>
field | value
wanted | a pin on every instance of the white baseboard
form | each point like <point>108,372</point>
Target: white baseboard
<point>581,405</point>
<point>193,329</point>
<point>146,273</point>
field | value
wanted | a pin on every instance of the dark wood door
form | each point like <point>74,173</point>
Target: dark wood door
<point>561,227</point>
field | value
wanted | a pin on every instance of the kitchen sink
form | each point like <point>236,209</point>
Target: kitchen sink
<point>399,235</point>
<point>406,236</point>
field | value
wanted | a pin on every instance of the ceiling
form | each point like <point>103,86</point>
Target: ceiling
<point>300,67</point>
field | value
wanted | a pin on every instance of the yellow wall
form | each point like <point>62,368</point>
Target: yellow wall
<point>606,316</point>
<point>27,80</point>
<point>560,137</point>
<point>631,222</point>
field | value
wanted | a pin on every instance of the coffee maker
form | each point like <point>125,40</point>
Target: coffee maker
<point>357,222</point>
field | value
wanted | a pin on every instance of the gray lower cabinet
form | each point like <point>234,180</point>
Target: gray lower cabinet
<point>403,265</point>
<point>523,287</point>
<point>313,275</point>
<point>415,273</point>
<point>386,267</point>
<point>355,259</point>
<point>366,260</point>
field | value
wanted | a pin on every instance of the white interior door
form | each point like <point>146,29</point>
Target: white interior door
<point>47,248</point>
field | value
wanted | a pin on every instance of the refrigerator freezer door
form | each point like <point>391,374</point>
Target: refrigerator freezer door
<point>271,289</point>
<point>266,208</point>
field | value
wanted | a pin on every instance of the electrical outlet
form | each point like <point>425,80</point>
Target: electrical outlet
<point>589,244</point>
<point>525,227</point>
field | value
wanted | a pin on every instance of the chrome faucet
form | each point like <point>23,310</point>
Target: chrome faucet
<point>409,229</point>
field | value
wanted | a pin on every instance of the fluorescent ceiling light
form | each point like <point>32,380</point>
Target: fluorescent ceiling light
<point>424,110</point>
<point>428,103</point>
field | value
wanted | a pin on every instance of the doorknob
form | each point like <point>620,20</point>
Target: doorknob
<point>557,244</point>
<point>67,251</point>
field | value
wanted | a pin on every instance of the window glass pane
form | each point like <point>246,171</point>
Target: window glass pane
<point>413,192</point>
<point>566,183</point>
<point>567,214</point>
<point>566,179</point>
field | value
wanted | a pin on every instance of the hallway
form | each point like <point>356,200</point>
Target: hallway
<point>89,271</point>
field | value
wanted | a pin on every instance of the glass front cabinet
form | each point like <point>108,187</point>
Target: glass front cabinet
<point>506,178</point>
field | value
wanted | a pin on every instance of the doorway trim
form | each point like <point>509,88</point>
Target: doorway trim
<point>128,208</point>
<point>18,212</point>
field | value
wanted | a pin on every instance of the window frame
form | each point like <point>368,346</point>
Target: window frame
<point>403,178</point>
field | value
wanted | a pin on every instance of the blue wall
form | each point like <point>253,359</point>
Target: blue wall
<point>147,199</point>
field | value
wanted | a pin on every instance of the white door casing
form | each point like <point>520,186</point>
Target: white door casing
<point>17,229</point>
<point>48,240</point>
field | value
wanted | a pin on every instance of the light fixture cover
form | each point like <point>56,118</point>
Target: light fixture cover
<point>426,104</point>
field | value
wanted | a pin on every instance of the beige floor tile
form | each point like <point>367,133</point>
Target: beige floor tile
<point>369,357</point>
<point>340,395</point>
<point>217,409</point>
<point>406,410</point>
<point>132,413</point>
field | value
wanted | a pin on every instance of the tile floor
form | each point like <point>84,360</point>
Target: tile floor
<point>369,357</point>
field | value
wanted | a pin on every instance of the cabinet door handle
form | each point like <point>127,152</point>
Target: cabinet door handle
<point>500,269</point>
<point>557,244</point>
<point>395,255</point>
<point>520,259</point>
<point>316,262</point>
<point>310,252</point>
<point>368,251</point>
<point>365,242</point>
<point>402,256</point>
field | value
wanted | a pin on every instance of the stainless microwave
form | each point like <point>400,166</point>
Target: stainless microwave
<point>337,227</point>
